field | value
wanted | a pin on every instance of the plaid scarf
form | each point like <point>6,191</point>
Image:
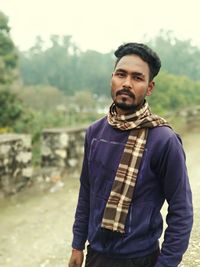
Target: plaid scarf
<point>118,203</point>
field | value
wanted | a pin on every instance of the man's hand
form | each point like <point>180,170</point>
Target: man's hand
<point>76,259</point>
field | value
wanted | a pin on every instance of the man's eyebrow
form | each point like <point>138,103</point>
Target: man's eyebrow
<point>122,70</point>
<point>133,73</point>
<point>138,73</point>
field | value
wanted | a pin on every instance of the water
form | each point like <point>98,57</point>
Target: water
<point>35,225</point>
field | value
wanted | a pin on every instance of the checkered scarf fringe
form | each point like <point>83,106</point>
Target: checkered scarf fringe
<point>119,201</point>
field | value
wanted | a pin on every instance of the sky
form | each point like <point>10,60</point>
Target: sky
<point>101,25</point>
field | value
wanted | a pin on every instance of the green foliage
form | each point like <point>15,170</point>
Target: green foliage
<point>30,117</point>
<point>179,57</point>
<point>84,101</point>
<point>64,66</point>
<point>43,98</point>
<point>8,55</point>
<point>11,108</point>
<point>174,93</point>
<point>94,72</point>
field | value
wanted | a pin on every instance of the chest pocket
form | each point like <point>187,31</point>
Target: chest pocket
<point>104,158</point>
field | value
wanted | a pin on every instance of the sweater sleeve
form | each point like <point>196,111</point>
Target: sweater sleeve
<point>80,227</point>
<point>176,189</point>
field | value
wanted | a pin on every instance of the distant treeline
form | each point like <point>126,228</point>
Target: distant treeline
<point>67,69</point>
<point>62,86</point>
<point>65,66</point>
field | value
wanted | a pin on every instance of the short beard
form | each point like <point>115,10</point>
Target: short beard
<point>126,107</point>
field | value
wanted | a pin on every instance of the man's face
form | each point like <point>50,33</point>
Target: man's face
<point>130,84</point>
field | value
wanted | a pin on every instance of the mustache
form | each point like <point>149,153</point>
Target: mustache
<point>126,92</point>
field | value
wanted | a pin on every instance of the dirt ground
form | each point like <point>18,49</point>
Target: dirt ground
<point>35,225</point>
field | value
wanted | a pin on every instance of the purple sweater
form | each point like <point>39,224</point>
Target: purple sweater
<point>162,176</point>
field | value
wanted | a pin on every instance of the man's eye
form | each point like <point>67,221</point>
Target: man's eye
<point>137,78</point>
<point>120,74</point>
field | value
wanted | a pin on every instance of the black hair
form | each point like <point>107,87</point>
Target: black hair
<point>144,52</point>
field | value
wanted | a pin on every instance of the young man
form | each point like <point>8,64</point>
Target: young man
<point>133,162</point>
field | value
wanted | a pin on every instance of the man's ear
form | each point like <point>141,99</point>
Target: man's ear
<point>150,88</point>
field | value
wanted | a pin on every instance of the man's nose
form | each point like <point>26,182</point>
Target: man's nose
<point>127,82</point>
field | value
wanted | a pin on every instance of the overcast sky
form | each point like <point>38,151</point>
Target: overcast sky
<point>101,25</point>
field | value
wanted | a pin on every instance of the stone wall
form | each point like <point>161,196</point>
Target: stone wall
<point>191,117</point>
<point>62,147</point>
<point>15,162</point>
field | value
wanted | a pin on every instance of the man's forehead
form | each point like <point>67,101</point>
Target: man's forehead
<point>131,61</point>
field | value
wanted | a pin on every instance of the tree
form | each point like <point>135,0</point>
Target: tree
<point>174,92</point>
<point>84,101</point>
<point>11,109</point>
<point>8,54</point>
<point>95,71</point>
<point>64,66</point>
<point>51,66</point>
<point>179,57</point>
